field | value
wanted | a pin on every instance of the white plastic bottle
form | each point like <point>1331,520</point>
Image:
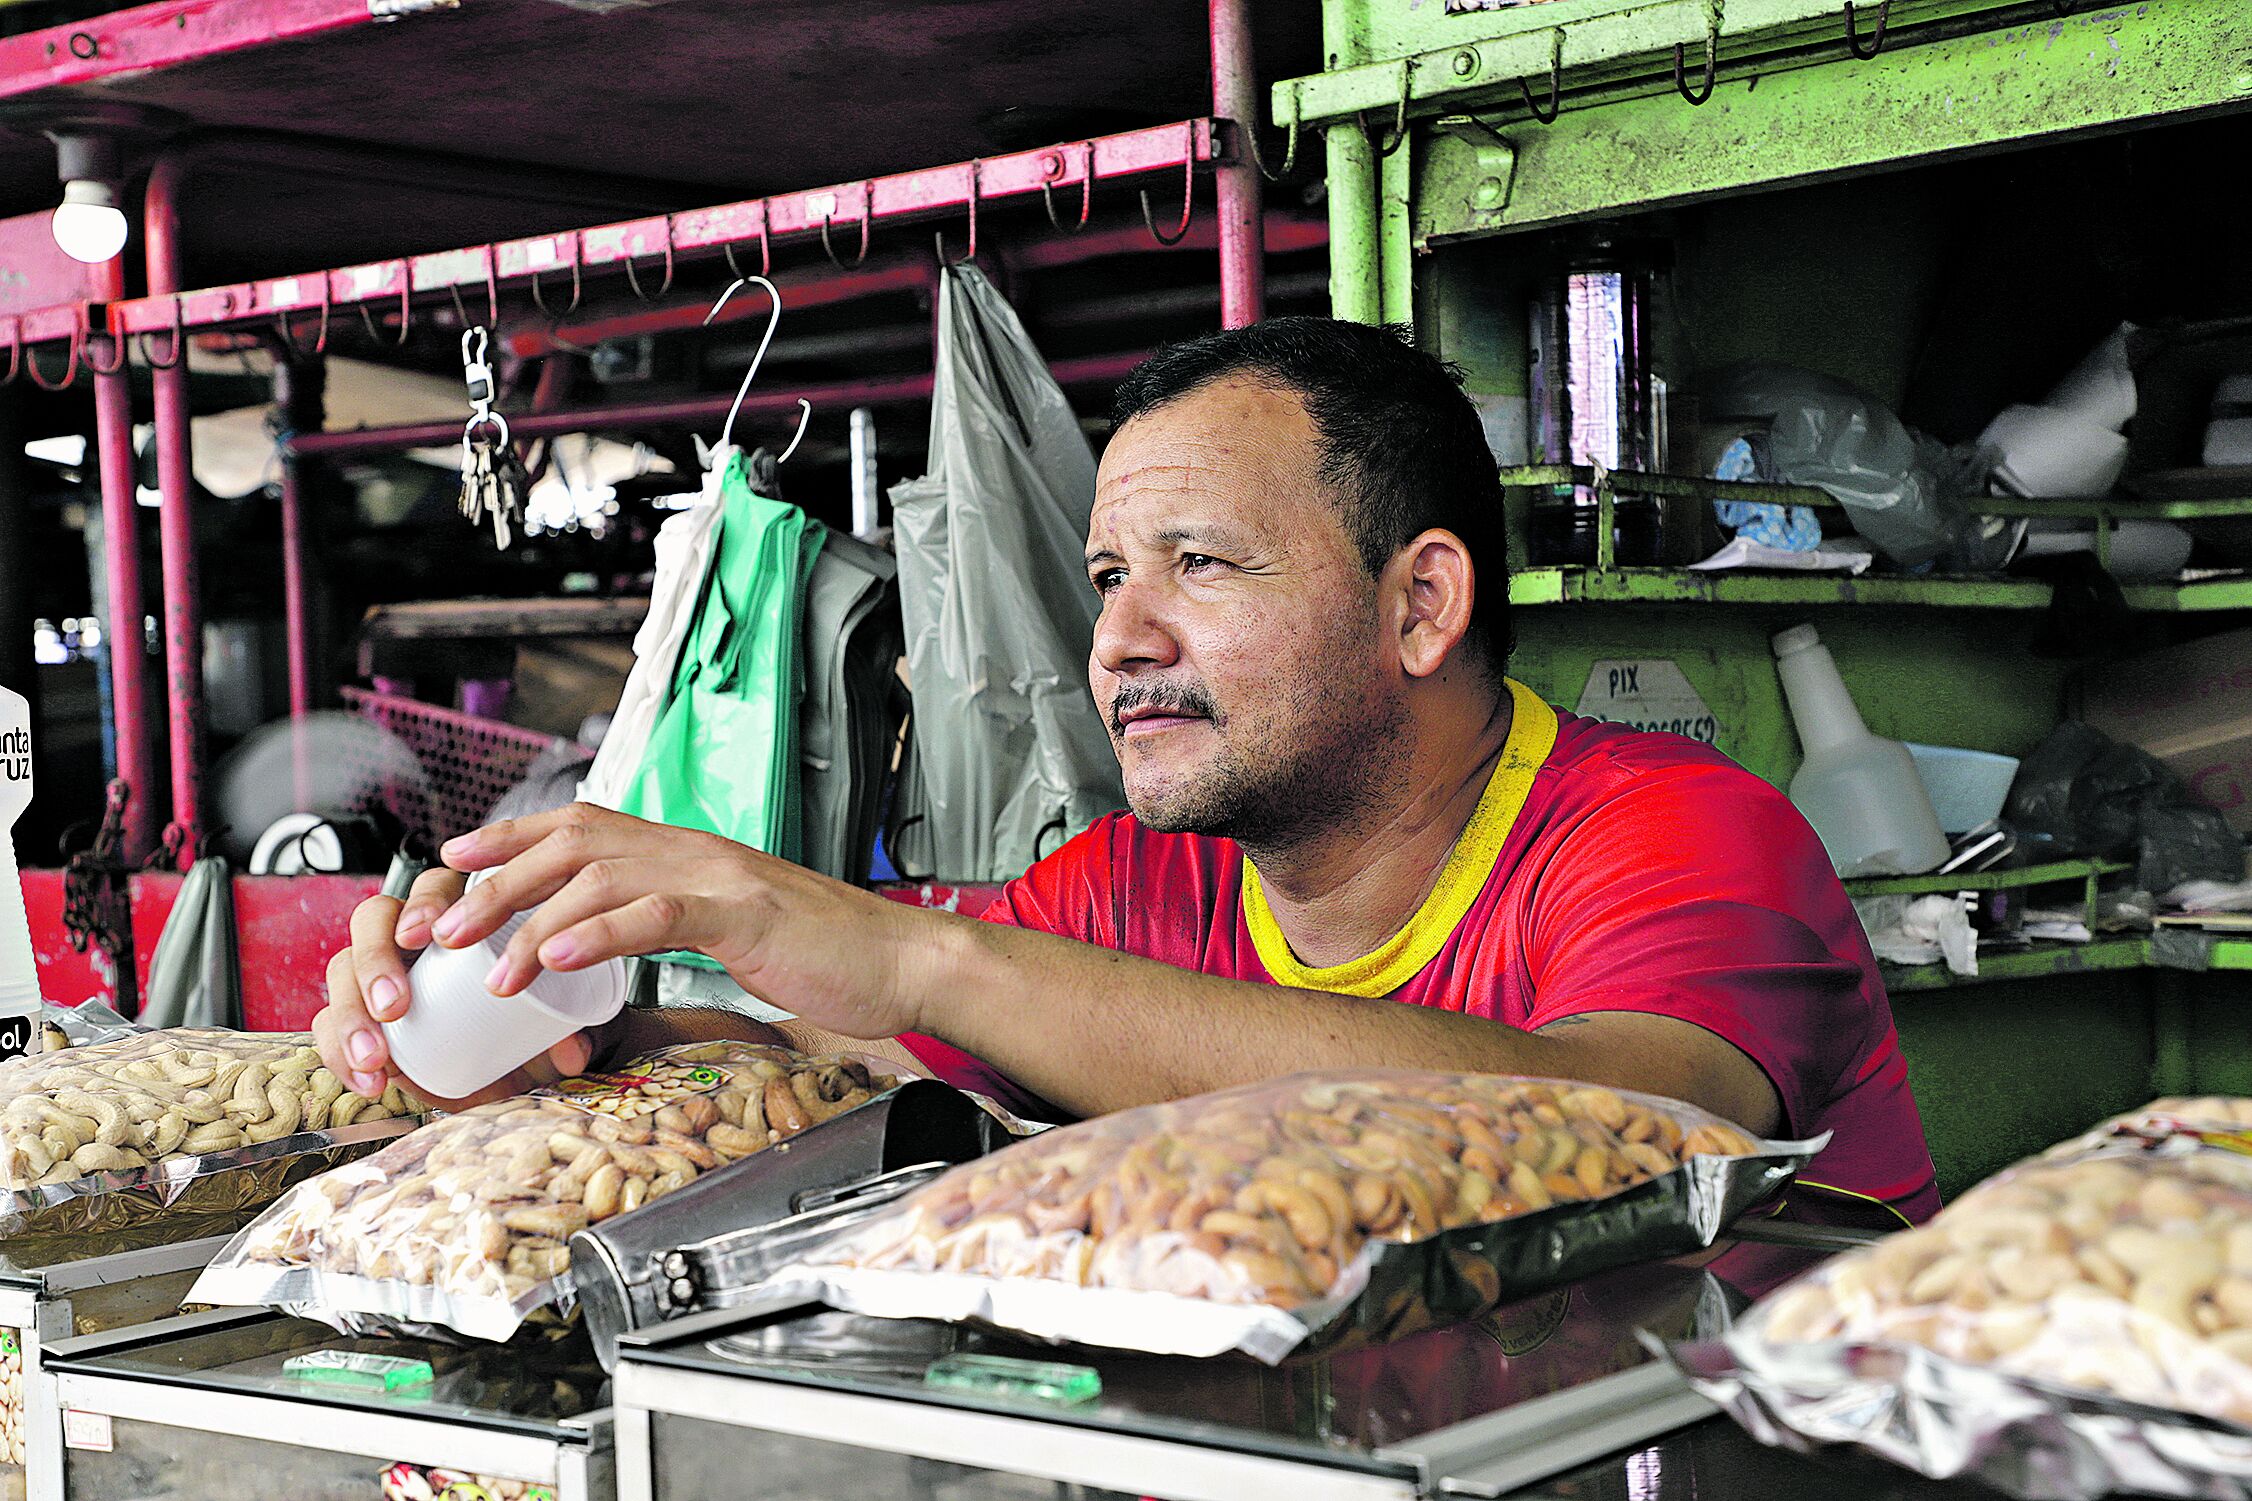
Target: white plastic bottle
<point>19,971</point>
<point>1860,791</point>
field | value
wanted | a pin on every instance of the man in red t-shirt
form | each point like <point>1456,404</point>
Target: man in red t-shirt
<point>1354,841</point>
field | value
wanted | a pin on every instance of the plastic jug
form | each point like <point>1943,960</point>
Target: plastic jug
<point>19,972</point>
<point>1860,791</point>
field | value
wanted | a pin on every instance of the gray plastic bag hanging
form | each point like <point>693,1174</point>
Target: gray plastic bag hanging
<point>195,979</point>
<point>1014,758</point>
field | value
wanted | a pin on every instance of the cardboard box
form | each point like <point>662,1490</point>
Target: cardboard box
<point>2191,707</point>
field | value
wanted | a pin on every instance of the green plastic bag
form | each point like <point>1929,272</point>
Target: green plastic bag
<point>723,754</point>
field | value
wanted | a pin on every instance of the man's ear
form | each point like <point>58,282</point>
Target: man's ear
<point>1434,585</point>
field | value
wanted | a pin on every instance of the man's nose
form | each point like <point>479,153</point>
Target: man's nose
<point>1132,631</point>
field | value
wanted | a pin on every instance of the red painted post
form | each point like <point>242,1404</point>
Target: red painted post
<point>1235,96</point>
<point>297,398</point>
<point>175,478</point>
<point>137,763</point>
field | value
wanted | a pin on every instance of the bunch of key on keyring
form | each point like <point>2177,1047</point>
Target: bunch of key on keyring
<point>494,482</point>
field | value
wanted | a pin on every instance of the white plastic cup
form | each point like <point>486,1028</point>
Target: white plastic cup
<point>457,1036</point>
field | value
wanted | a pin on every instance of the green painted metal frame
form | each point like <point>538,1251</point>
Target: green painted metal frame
<point>2178,949</point>
<point>1606,582</point>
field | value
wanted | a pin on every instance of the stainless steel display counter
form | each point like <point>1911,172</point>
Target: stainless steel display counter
<point>55,1287</point>
<point>200,1406</point>
<point>798,1403</point>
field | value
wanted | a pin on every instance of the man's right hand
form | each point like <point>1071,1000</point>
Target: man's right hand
<point>367,984</point>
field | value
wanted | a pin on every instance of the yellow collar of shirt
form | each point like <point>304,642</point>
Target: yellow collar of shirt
<point>1532,734</point>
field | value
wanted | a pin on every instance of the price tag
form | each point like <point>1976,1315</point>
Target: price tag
<point>87,1430</point>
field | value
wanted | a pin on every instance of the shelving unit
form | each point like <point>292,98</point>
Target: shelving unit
<point>1462,143</point>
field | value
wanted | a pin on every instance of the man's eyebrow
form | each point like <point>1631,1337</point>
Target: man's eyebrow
<point>1103,555</point>
<point>1206,532</point>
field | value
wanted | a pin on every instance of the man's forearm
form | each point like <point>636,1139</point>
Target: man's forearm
<point>1096,1030</point>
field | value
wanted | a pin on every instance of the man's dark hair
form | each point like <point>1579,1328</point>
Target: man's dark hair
<point>1400,443</point>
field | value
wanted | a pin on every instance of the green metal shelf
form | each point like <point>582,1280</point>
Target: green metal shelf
<point>2176,949</point>
<point>2039,962</point>
<point>1605,582</point>
<point>1984,880</point>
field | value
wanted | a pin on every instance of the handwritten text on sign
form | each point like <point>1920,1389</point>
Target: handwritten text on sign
<point>1647,693</point>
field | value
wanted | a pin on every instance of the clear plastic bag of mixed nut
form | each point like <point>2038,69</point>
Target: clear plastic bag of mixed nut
<point>104,1135</point>
<point>1313,1212</point>
<point>2077,1325</point>
<point>464,1225</point>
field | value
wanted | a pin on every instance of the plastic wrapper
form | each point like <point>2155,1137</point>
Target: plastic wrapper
<point>117,1132</point>
<point>2078,1325</point>
<point>2081,792</point>
<point>464,1225</point>
<point>1904,492</point>
<point>1313,1212</point>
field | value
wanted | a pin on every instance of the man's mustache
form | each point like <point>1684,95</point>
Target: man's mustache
<point>1165,698</point>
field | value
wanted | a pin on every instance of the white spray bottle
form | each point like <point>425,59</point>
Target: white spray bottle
<point>19,973</point>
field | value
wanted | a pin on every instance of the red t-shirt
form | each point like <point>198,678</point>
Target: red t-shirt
<point>1606,869</point>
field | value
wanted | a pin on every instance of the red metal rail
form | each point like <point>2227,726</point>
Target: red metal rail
<point>148,37</point>
<point>481,272</point>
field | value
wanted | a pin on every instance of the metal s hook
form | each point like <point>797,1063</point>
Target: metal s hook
<point>977,170</point>
<point>289,334</point>
<point>1876,38</point>
<point>15,352</point>
<point>633,277</point>
<point>1555,83</point>
<point>1681,67</point>
<point>805,420</point>
<point>578,254</point>
<point>1399,132</point>
<point>1086,190</point>
<point>1188,197</point>
<point>171,361</point>
<point>765,251</point>
<point>867,211</point>
<point>406,307</point>
<point>70,371</point>
<point>119,348</point>
<point>773,321</point>
<point>1290,143</point>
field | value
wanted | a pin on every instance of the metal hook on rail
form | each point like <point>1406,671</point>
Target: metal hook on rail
<point>1555,83</point>
<point>977,171</point>
<point>70,371</point>
<point>633,277</point>
<point>1290,142</point>
<point>1876,38</point>
<point>171,361</point>
<point>867,212</point>
<point>1712,64</point>
<point>406,307</point>
<point>1054,175</point>
<point>288,334</point>
<point>765,251</point>
<point>15,352</point>
<point>578,254</point>
<point>119,349</point>
<point>1399,131</point>
<point>1188,199</point>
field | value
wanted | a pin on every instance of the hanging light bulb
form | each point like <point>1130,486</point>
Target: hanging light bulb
<point>89,226</point>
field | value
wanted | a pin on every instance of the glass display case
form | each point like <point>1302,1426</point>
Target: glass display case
<point>245,1402</point>
<point>796,1403</point>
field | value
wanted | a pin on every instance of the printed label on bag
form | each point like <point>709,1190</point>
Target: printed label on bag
<point>630,1096</point>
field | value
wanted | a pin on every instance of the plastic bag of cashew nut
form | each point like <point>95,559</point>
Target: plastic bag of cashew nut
<point>464,1225</point>
<point>113,1133</point>
<point>1309,1213</point>
<point>2080,1324</point>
